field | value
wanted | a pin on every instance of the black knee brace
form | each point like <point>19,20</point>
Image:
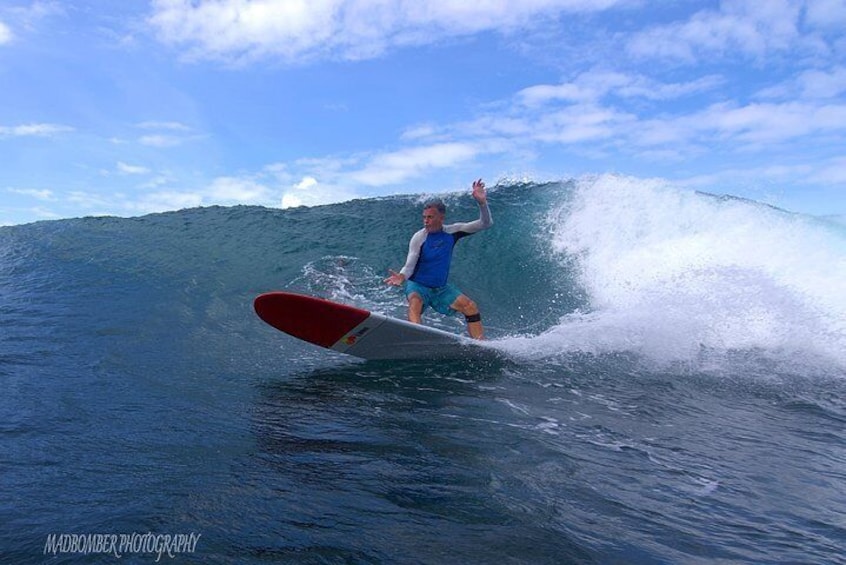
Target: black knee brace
<point>473,318</point>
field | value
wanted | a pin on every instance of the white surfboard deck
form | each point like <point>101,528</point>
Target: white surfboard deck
<point>365,334</point>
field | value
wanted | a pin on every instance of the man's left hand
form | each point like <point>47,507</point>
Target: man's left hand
<point>479,192</point>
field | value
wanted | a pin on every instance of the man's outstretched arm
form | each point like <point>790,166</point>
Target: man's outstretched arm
<point>484,222</point>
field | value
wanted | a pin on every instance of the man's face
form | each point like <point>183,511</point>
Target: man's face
<point>433,220</point>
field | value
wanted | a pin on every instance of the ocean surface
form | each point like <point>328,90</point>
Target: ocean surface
<point>673,389</point>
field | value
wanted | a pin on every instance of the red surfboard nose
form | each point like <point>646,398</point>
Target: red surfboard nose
<point>308,318</point>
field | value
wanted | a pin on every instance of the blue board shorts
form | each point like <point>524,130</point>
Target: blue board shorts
<point>439,298</point>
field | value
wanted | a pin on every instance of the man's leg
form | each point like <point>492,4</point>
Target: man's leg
<point>415,308</point>
<point>471,314</point>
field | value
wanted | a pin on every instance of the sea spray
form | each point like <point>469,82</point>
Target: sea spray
<point>671,273</point>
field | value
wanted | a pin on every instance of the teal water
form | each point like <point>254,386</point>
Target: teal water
<point>673,390</point>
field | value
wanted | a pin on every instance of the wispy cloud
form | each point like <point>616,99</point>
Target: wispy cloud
<point>234,30</point>
<point>310,182</point>
<point>121,203</point>
<point>125,169</point>
<point>594,85</point>
<point>38,194</point>
<point>812,84</point>
<point>398,166</point>
<point>34,130</point>
<point>90,202</point>
<point>166,134</point>
<point>26,18</point>
<point>832,172</point>
<point>758,123</point>
<point>171,126</point>
<point>161,141</point>
<point>5,34</point>
<point>602,109</point>
<point>827,14</point>
<point>740,27</point>
<point>36,11</point>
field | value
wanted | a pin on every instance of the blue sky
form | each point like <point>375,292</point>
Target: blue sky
<point>139,106</point>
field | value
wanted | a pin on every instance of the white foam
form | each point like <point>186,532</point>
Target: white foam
<point>671,272</point>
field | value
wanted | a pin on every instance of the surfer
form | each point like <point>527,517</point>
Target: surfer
<point>427,267</point>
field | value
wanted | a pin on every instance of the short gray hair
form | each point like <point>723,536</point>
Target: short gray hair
<point>437,204</point>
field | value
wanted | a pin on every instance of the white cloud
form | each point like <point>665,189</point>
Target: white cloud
<point>5,34</point>
<point>601,114</point>
<point>157,181</point>
<point>594,85</point>
<point>165,134</point>
<point>814,85</point>
<point>568,114</point>
<point>161,141</point>
<point>90,203</point>
<point>298,30</point>
<point>44,213</point>
<point>318,181</point>
<point>771,122</point>
<point>821,84</point>
<point>36,11</point>
<point>831,173</point>
<point>26,19</point>
<point>310,192</point>
<point>757,126</point>
<point>324,166</point>
<point>398,166</point>
<point>295,197</point>
<point>418,132</point>
<point>545,93</point>
<point>745,27</point>
<point>826,14</point>
<point>125,169</point>
<point>649,89</point>
<point>172,126</point>
<point>34,130</point>
<point>43,194</point>
<point>306,183</point>
<point>581,123</point>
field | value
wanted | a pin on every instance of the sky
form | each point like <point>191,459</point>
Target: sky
<point>139,106</point>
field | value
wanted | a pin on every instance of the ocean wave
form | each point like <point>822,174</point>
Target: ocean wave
<point>600,265</point>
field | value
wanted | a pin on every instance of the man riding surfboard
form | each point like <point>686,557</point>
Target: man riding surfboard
<point>426,268</point>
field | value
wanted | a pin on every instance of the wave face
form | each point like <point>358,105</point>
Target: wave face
<point>673,391</point>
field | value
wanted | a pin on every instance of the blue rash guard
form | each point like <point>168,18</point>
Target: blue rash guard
<point>430,254</point>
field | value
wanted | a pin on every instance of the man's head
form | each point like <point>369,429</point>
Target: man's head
<point>434,212</point>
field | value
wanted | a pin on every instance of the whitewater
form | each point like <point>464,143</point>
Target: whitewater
<point>672,388</point>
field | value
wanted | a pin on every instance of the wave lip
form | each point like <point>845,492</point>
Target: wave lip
<point>670,273</point>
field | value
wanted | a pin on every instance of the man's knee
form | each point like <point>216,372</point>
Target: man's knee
<point>471,315</point>
<point>466,306</point>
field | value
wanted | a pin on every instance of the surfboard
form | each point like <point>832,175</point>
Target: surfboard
<point>360,332</point>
